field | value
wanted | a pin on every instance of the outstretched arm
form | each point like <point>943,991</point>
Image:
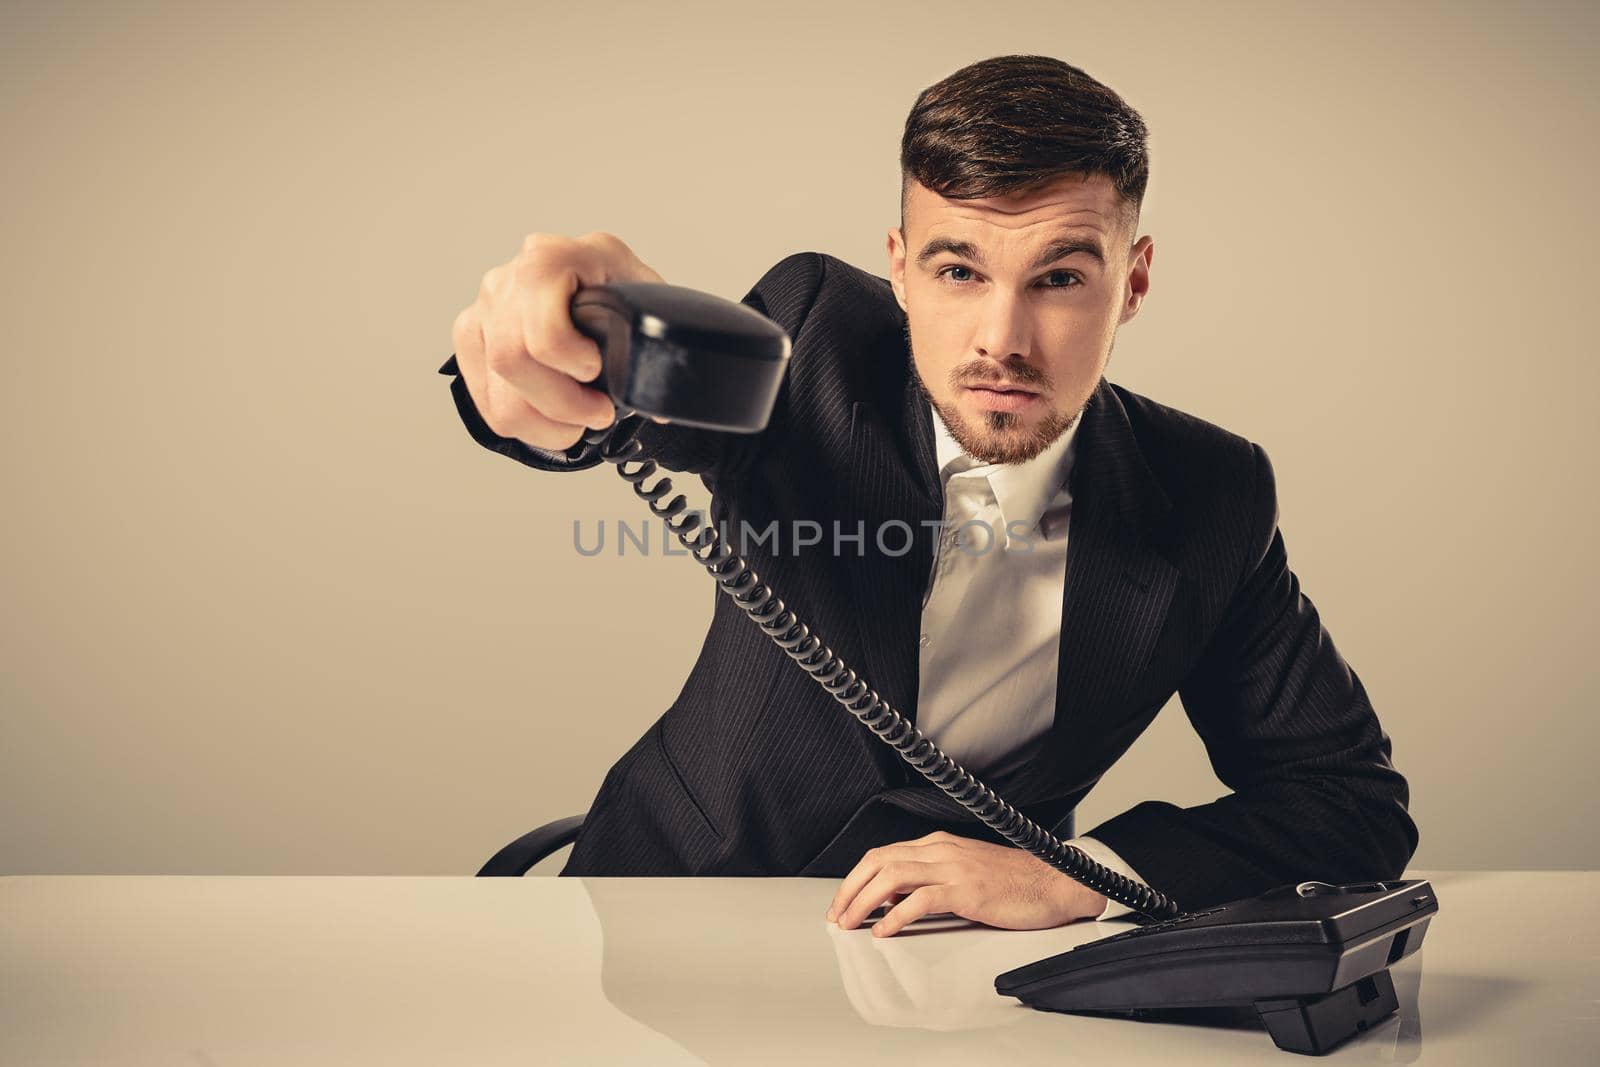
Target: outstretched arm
<point>517,424</point>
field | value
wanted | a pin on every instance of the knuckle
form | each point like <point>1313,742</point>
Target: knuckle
<point>499,416</point>
<point>603,239</point>
<point>540,248</point>
<point>464,330</point>
<point>501,357</point>
<point>489,284</point>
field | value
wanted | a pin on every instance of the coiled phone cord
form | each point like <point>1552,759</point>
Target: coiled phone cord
<point>616,445</point>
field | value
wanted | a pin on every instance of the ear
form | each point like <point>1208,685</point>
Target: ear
<point>896,247</point>
<point>1139,259</point>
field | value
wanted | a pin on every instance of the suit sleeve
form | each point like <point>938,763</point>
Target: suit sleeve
<point>784,294</point>
<point>1289,728</point>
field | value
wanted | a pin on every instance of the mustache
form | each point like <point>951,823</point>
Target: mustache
<point>985,371</point>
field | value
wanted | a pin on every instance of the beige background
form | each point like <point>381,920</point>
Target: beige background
<point>269,610</point>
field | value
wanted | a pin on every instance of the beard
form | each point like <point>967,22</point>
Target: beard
<point>1000,436</point>
<point>997,436</point>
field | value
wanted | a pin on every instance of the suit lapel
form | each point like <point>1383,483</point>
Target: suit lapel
<point>888,587</point>
<point>916,420</point>
<point>1118,583</point>
<point>1118,588</point>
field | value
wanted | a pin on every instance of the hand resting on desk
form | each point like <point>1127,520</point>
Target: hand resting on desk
<point>996,885</point>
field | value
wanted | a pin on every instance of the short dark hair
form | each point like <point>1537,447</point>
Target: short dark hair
<point>1010,124</point>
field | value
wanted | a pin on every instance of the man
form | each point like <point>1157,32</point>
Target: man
<point>1134,551</point>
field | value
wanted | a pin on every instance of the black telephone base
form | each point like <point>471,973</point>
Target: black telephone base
<point>1316,1024</point>
<point>1312,1025</point>
<point>1311,959</point>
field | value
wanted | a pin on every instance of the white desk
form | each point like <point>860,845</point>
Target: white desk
<point>233,971</point>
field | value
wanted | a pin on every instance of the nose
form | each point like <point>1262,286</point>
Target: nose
<point>1004,329</point>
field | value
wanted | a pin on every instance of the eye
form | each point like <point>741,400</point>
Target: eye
<point>1074,281</point>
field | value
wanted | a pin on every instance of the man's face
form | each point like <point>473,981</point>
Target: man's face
<point>1009,332</point>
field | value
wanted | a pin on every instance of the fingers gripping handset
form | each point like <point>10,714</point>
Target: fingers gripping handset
<point>527,367</point>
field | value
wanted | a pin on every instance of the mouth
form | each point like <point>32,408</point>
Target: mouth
<point>1002,396</point>
<point>1005,387</point>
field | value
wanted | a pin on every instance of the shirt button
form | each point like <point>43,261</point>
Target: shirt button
<point>924,641</point>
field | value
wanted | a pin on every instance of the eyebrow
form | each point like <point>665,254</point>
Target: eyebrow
<point>1060,248</point>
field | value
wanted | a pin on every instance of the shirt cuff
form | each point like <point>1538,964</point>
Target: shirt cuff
<point>1102,854</point>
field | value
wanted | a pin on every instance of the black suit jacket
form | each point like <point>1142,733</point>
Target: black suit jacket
<point>1177,581</point>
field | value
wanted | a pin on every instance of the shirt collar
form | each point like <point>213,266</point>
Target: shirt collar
<point>1023,490</point>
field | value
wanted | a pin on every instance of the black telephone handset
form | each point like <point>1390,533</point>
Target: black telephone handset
<point>1312,959</point>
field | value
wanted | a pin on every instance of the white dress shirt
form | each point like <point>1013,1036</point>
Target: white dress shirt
<point>991,615</point>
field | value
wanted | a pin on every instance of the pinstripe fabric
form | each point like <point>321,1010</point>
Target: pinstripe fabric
<point>1177,582</point>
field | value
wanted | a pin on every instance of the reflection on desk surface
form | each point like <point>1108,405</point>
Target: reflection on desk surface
<point>341,970</point>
